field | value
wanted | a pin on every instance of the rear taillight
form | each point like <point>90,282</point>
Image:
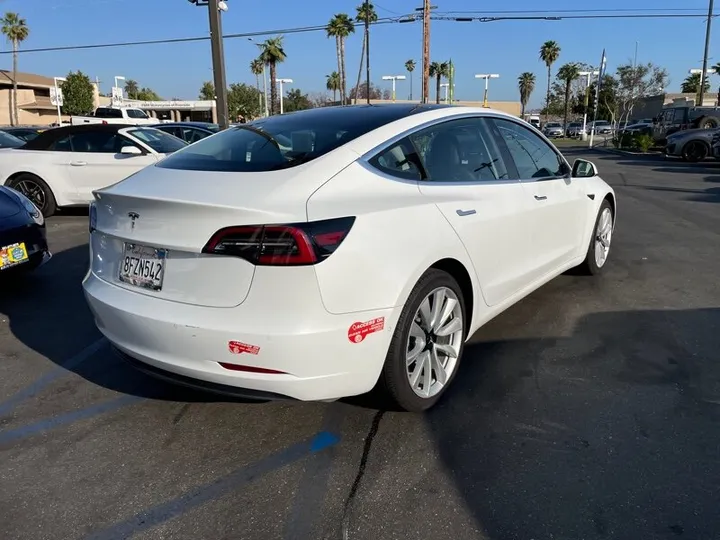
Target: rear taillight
<point>281,245</point>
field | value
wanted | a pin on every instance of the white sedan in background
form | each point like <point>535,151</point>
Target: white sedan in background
<point>63,166</point>
<point>364,254</point>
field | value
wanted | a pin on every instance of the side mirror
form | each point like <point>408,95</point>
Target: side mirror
<point>583,169</point>
<point>131,151</point>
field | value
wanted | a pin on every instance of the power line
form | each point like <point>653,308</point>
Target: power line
<point>570,17</point>
<point>298,30</point>
<point>544,11</point>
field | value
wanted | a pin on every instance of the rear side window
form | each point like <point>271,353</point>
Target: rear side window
<point>135,113</point>
<point>400,160</point>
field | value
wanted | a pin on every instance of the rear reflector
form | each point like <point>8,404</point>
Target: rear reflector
<point>251,369</point>
<point>281,245</point>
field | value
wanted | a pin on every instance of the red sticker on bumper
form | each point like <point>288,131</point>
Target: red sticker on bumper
<point>358,330</point>
<point>238,347</point>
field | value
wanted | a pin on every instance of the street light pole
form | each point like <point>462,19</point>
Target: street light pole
<point>57,97</point>
<point>587,74</point>
<point>393,78</point>
<point>705,56</point>
<point>487,77</point>
<point>280,82</point>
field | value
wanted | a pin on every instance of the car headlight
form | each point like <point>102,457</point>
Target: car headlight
<point>29,207</point>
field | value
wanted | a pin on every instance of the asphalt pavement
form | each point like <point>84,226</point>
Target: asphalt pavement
<point>590,410</point>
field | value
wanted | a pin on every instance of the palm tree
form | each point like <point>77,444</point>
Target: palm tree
<point>410,67</point>
<point>567,74</point>
<point>549,53</point>
<point>333,83</point>
<point>366,16</point>
<point>340,27</point>
<point>16,31</point>
<point>272,54</point>
<point>691,84</point>
<point>257,67</point>
<point>439,70</point>
<point>526,85</point>
<point>131,88</point>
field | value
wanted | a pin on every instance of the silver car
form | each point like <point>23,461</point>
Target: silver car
<point>690,144</point>
<point>553,130</point>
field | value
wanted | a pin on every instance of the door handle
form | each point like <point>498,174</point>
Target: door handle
<point>78,163</point>
<point>462,213</point>
<point>540,197</point>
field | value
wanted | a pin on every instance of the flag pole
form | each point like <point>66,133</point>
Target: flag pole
<point>601,73</point>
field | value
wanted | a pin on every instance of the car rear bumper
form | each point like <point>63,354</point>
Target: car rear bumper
<point>308,349</point>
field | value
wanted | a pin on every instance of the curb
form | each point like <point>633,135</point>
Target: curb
<point>628,152</point>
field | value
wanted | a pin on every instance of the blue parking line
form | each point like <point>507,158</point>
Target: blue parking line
<point>74,416</point>
<point>34,388</point>
<point>176,507</point>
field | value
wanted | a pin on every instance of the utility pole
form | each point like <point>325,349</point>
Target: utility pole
<point>426,49</point>
<point>367,50</point>
<point>701,96</point>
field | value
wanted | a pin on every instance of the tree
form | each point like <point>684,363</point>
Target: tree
<point>375,92</point>
<point>526,85</point>
<point>78,94</point>
<point>272,53</point>
<point>636,83</point>
<point>333,84</point>
<point>691,84</point>
<point>295,100</point>
<point>243,100</point>
<point>132,88</point>
<point>16,31</point>
<point>319,99</point>
<point>340,27</point>
<point>410,67</point>
<point>258,68</point>
<point>439,70</point>
<point>365,14</point>
<point>207,91</point>
<point>549,53</point>
<point>567,74</point>
<point>147,94</point>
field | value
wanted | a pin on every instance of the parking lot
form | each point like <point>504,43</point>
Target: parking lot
<point>589,410</point>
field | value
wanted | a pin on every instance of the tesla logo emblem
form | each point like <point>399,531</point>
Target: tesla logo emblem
<point>133,216</point>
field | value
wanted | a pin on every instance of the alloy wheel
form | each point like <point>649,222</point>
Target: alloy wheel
<point>434,342</point>
<point>603,237</point>
<point>33,191</point>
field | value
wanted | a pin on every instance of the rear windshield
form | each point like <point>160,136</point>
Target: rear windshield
<point>158,140</point>
<point>270,144</point>
<point>136,113</point>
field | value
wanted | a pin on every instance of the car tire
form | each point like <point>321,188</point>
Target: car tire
<point>593,265</point>
<point>695,151</point>
<point>35,189</point>
<point>396,379</point>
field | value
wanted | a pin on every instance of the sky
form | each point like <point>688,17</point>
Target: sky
<point>506,48</point>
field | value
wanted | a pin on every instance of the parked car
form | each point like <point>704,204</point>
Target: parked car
<point>62,166</point>
<point>189,132</point>
<point>574,129</point>
<point>674,119</point>
<point>235,266</point>
<point>23,242</point>
<point>601,127</point>
<point>553,130</point>
<point>115,115</point>
<point>24,133</point>
<point>691,145</point>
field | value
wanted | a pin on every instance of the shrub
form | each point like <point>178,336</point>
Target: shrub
<point>643,142</point>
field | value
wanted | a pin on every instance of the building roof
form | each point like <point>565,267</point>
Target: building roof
<point>25,79</point>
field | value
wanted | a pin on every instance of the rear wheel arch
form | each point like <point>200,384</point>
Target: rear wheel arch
<point>457,270</point>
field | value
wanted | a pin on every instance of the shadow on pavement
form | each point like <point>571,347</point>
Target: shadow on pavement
<point>611,432</point>
<point>47,313</point>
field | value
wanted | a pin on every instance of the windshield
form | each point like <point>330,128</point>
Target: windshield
<point>552,124</point>
<point>265,146</point>
<point>10,141</point>
<point>135,113</point>
<point>158,140</point>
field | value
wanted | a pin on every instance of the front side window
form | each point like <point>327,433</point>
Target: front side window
<point>533,157</point>
<point>158,140</point>
<point>192,135</point>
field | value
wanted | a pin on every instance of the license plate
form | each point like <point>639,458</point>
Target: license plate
<point>143,266</point>
<point>13,255</point>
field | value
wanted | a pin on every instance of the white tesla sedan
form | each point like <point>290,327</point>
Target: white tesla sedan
<point>63,166</point>
<point>363,254</point>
